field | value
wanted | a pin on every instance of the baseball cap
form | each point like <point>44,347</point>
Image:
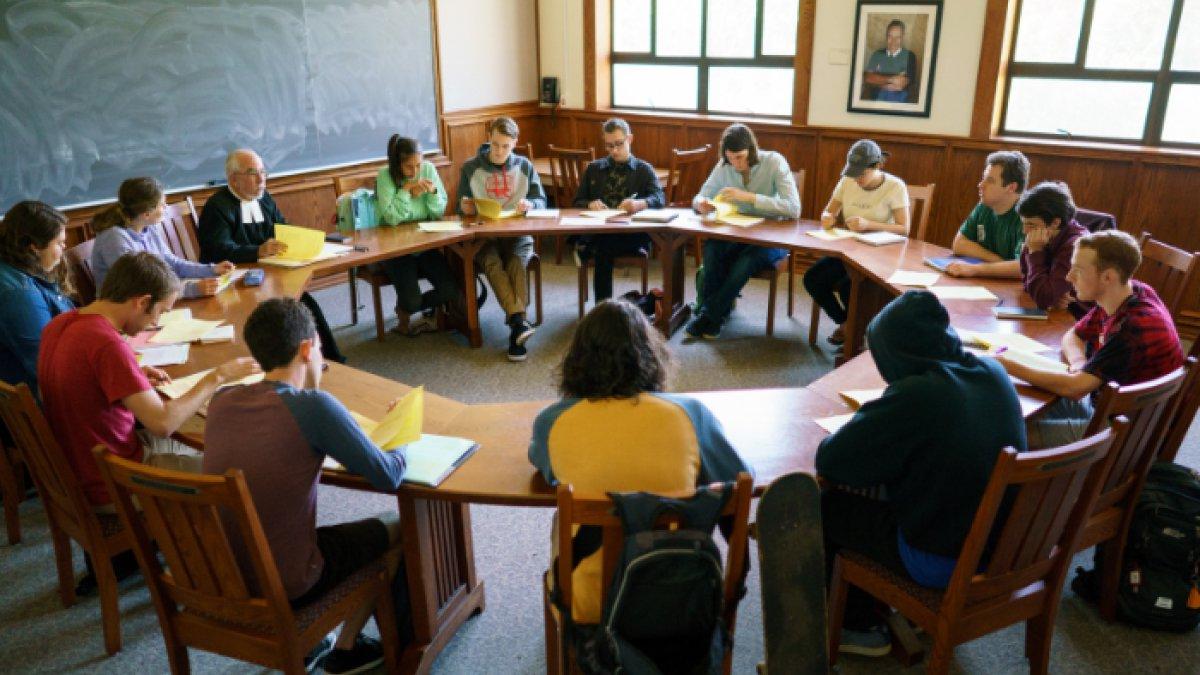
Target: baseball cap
<point>862,154</point>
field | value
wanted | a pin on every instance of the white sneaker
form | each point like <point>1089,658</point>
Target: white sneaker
<point>423,324</point>
<point>874,641</point>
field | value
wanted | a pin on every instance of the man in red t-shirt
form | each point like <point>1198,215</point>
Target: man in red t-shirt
<point>1127,338</point>
<point>94,392</point>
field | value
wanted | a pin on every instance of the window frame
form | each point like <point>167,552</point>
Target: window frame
<point>702,63</point>
<point>1161,81</point>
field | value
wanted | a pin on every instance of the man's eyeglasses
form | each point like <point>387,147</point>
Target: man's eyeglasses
<point>615,144</point>
<point>256,173</point>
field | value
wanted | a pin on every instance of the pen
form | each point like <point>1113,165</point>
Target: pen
<point>1001,351</point>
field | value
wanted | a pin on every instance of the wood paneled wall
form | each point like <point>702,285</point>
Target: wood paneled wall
<point>1147,191</point>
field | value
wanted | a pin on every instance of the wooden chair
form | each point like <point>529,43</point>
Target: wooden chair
<point>1185,411</point>
<point>917,194</point>
<point>12,485</point>
<point>785,265</point>
<point>203,598</point>
<point>179,229</point>
<point>78,260</point>
<point>685,175</point>
<point>67,509</point>
<point>1054,491</point>
<point>1148,407</point>
<point>577,511</point>
<point>1168,270</point>
<point>566,169</point>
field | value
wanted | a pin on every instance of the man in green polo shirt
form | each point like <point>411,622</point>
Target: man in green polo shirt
<point>993,232</point>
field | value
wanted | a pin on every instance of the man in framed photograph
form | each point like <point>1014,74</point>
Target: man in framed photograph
<point>891,72</point>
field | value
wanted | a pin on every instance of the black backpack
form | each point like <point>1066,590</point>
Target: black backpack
<point>1159,582</point>
<point>664,606</point>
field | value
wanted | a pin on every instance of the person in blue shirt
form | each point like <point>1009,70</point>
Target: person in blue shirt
<point>34,285</point>
<point>760,183</point>
<point>131,225</point>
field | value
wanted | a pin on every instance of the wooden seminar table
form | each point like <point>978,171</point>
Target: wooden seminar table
<point>773,429</point>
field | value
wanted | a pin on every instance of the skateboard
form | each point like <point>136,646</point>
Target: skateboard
<point>791,559</point>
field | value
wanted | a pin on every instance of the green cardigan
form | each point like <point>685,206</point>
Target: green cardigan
<point>396,205</point>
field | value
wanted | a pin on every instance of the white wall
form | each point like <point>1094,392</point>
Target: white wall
<point>560,28</point>
<point>953,82</point>
<point>953,77</point>
<point>487,52</point>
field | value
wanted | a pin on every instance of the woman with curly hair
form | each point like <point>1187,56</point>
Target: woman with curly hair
<point>34,285</point>
<point>616,429</point>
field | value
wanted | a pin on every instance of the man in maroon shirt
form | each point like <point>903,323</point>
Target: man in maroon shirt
<point>1048,214</point>
<point>1128,337</point>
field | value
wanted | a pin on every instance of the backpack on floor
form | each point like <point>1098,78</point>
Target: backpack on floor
<point>663,611</point>
<point>1158,586</point>
<point>356,210</point>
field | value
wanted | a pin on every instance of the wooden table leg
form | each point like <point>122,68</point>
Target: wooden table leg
<point>671,247</point>
<point>439,558</point>
<point>866,299</point>
<point>466,250</point>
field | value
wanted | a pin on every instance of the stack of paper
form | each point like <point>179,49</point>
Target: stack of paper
<point>994,341</point>
<point>880,238</point>
<point>541,213</point>
<point>441,226</point>
<point>727,213</point>
<point>327,251</point>
<point>908,278</point>
<point>183,330</point>
<point>832,234</point>
<point>655,215</point>
<point>171,316</point>
<point>303,243</point>
<point>492,209</point>
<point>832,424</point>
<point>963,293</point>
<point>218,334</point>
<point>166,355</point>
<point>1035,361</point>
<point>229,278</point>
<point>604,214</point>
<point>858,397</point>
<point>179,386</point>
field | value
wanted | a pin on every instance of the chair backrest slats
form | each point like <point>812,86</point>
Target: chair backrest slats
<point>1049,492</point>
<point>685,173</point>
<point>52,473</point>
<point>178,228</point>
<point>566,168</point>
<point>921,195</point>
<point>183,514</point>
<point>344,184</point>
<point>1168,270</point>
<point>78,260</point>
<point>1185,411</point>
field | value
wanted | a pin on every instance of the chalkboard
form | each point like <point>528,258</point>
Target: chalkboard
<point>95,91</point>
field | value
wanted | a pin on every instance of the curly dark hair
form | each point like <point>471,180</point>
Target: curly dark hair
<point>615,353</point>
<point>29,225</point>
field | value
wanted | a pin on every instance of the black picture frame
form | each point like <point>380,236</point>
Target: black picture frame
<point>903,94</point>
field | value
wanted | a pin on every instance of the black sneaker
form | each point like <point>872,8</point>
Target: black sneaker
<point>517,353</point>
<point>313,659</point>
<point>519,332</point>
<point>581,253</point>
<point>696,326</point>
<point>366,654</point>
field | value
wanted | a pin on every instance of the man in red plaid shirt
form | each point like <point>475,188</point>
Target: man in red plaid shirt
<point>1127,338</point>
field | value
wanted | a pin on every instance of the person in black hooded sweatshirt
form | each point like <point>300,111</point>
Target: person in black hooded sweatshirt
<point>931,440</point>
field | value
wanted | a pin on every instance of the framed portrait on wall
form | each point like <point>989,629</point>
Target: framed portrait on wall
<point>892,63</point>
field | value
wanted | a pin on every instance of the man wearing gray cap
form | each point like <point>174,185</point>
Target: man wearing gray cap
<point>866,199</point>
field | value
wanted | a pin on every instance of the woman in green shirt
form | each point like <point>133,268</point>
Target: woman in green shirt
<point>408,189</point>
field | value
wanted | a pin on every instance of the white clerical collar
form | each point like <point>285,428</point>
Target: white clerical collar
<point>252,211</point>
<point>892,55</point>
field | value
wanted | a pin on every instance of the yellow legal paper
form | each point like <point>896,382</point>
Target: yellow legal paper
<point>727,213</point>
<point>184,330</point>
<point>492,209</point>
<point>994,341</point>
<point>859,397</point>
<point>401,426</point>
<point>1035,361</point>
<point>179,386</point>
<point>303,243</point>
<point>228,279</point>
<point>174,315</point>
<point>832,234</point>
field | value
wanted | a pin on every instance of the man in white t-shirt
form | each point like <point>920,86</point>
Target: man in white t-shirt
<point>867,199</point>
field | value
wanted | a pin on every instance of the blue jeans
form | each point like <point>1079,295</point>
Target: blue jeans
<point>1060,423</point>
<point>727,267</point>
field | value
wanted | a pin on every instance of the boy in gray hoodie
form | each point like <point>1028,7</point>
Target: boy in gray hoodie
<point>496,173</point>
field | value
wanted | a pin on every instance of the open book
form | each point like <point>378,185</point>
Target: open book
<point>727,213</point>
<point>880,238</point>
<point>429,460</point>
<point>492,209</point>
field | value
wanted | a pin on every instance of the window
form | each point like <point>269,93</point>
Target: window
<point>718,56</point>
<point>1110,70</point>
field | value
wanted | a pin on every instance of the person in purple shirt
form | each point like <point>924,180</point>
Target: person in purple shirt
<point>34,285</point>
<point>1048,214</point>
<point>290,425</point>
<point>129,226</point>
